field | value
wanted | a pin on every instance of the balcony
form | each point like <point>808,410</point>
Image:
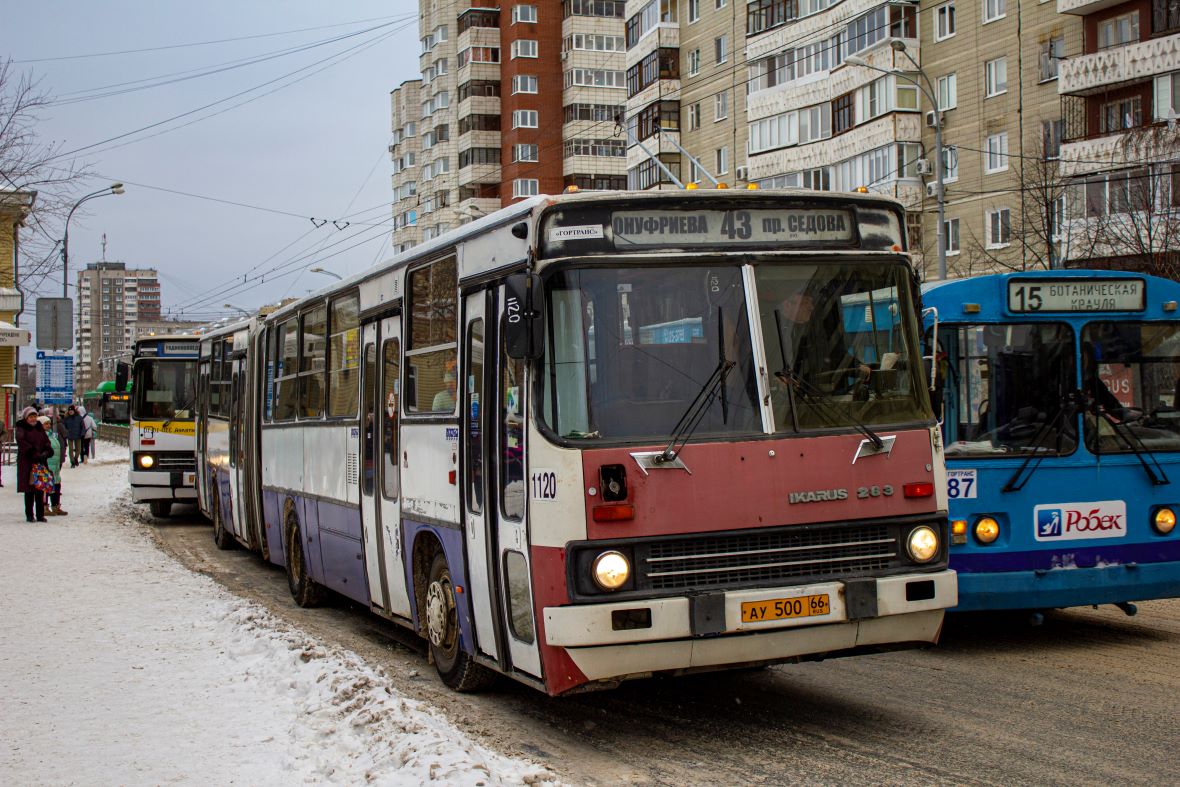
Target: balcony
<point>1084,7</point>
<point>1130,63</point>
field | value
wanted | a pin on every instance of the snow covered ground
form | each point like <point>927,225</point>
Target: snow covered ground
<point>117,665</point>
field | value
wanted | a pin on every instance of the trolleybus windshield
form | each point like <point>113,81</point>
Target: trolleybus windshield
<point>1130,370</point>
<point>164,389</point>
<point>1007,389</point>
<point>630,348</point>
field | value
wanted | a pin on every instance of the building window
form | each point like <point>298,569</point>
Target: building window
<point>1051,131</point>
<point>524,47</point>
<point>998,228</point>
<point>524,13</point>
<point>524,152</point>
<point>993,10</point>
<point>694,10</point>
<point>594,77</point>
<point>719,4</point>
<point>721,49</point>
<point>997,153</point>
<point>722,154</point>
<point>950,163</point>
<point>721,106</point>
<point>995,76</point>
<point>948,92</point>
<point>609,148</point>
<point>1119,30</point>
<point>524,83</point>
<point>1051,53</point>
<point>1121,115</point>
<point>694,62</point>
<point>524,118</point>
<point>762,15</point>
<point>815,123</point>
<point>843,116</point>
<point>944,21</point>
<point>694,116</point>
<point>473,156</point>
<point>950,232</point>
<point>525,187</point>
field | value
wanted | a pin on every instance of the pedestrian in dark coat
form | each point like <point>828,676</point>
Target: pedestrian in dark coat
<point>33,448</point>
<point>75,431</point>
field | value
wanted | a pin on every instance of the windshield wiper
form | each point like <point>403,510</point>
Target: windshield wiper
<point>187,408</point>
<point>1069,406</point>
<point>1142,452</point>
<point>704,399</point>
<point>814,395</point>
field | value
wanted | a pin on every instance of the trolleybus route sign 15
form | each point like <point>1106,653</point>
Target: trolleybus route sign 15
<point>1076,295</point>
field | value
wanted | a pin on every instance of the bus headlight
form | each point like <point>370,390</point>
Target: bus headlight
<point>610,570</point>
<point>147,461</point>
<point>922,544</point>
<point>987,530</point>
<point>1163,520</point>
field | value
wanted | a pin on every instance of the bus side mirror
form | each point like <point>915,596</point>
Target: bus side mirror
<point>122,375</point>
<point>933,356</point>
<point>524,337</point>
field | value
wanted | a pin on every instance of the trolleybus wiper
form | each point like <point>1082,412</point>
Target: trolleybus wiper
<point>692,417</point>
<point>815,395</point>
<point>1141,452</point>
<point>1068,408</point>
<point>187,408</point>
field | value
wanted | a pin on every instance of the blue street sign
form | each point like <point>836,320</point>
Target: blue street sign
<point>55,378</point>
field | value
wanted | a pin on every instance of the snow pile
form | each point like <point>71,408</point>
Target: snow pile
<point>118,665</point>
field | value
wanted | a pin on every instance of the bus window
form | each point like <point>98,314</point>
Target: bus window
<point>512,391</point>
<point>392,353</point>
<point>342,360</point>
<point>520,606</point>
<point>287,373</point>
<point>1130,373</point>
<point>474,389</point>
<point>368,415</point>
<point>313,329</point>
<point>431,345</point>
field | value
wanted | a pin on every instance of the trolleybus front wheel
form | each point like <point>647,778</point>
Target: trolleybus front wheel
<point>456,668</point>
<point>304,589</point>
<point>221,536</point>
<point>160,508</point>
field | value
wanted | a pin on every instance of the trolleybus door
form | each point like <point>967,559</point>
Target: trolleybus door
<point>237,519</point>
<point>380,480</point>
<point>475,500</point>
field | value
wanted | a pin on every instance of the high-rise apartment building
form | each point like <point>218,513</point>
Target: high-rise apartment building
<point>515,99</point>
<point>111,298</point>
<point>1120,100</point>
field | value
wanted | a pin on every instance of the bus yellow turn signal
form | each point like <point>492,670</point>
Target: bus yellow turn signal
<point>958,531</point>
<point>1164,520</point>
<point>987,530</point>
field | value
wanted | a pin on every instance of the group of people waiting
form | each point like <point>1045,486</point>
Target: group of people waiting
<point>42,442</point>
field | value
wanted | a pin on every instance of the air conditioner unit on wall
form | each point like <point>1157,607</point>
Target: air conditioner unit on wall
<point>931,119</point>
<point>743,173</point>
<point>931,189</point>
<point>923,167</point>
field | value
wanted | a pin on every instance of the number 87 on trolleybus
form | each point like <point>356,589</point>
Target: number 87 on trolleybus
<point>589,438</point>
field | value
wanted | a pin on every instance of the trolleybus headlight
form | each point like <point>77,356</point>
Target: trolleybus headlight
<point>922,545</point>
<point>611,570</point>
<point>147,461</point>
<point>987,530</point>
<point>1163,520</point>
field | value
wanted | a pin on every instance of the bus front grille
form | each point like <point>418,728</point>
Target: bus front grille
<point>175,461</point>
<point>768,557</point>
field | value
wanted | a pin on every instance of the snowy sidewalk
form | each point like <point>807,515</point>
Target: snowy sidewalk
<point>117,665</point>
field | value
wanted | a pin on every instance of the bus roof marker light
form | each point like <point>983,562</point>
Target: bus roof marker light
<point>752,187</point>
<point>722,186</point>
<point>1164,520</point>
<point>691,187</point>
<point>1169,306</point>
<point>971,308</point>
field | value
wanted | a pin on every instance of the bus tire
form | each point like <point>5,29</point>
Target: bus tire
<point>304,589</point>
<point>456,668</point>
<point>160,508</point>
<point>221,536</point>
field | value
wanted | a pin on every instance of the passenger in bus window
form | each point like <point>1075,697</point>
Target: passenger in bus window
<point>816,346</point>
<point>444,400</point>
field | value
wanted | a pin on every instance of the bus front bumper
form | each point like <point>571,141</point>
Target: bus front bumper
<point>147,486</point>
<point>604,642</point>
<point>1067,587</point>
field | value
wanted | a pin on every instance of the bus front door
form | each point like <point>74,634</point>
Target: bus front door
<point>380,477</point>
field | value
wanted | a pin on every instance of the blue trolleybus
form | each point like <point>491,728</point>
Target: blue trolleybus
<point>1060,397</point>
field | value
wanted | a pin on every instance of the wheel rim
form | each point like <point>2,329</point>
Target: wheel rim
<point>440,614</point>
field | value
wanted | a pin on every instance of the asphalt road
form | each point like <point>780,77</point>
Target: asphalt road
<point>1089,697</point>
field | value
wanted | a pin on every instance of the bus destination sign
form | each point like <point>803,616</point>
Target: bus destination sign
<point>1076,295</point>
<point>708,227</point>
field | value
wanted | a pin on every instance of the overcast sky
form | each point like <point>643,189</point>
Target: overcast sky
<point>316,148</point>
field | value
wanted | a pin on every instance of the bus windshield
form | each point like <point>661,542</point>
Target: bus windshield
<point>1006,389</point>
<point>163,390</point>
<point>1130,372</point>
<point>630,348</point>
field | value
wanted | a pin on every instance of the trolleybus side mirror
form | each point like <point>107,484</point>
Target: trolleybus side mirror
<point>524,337</point>
<point>122,374</point>
<point>933,356</point>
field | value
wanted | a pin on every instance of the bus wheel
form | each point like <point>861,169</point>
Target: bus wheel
<point>160,508</point>
<point>221,536</point>
<point>304,589</point>
<point>456,668</point>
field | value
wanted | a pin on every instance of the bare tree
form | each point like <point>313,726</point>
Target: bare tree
<point>28,163</point>
<point>1130,218</point>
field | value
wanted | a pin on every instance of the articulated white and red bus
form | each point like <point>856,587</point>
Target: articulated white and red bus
<point>595,437</point>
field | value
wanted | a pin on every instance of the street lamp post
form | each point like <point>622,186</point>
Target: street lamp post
<point>899,46</point>
<point>336,276</point>
<point>114,188</point>
<point>235,308</point>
